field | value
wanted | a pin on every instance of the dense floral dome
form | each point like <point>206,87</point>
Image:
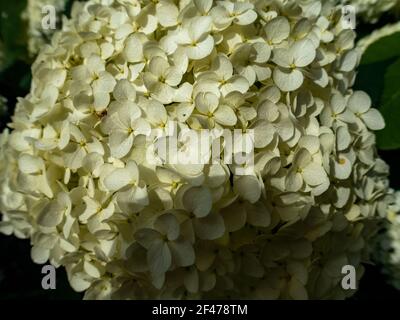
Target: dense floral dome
<point>81,178</point>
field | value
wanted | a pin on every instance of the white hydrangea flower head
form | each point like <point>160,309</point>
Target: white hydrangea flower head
<point>371,10</point>
<point>33,15</point>
<point>76,180</point>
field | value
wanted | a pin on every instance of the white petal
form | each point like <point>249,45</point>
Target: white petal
<point>373,119</point>
<point>158,66</point>
<point>206,102</point>
<point>359,102</point>
<point>167,14</point>
<point>201,49</point>
<point>303,53</point>
<point>29,164</point>
<point>246,18</point>
<point>136,258</point>
<point>146,237</point>
<point>288,80</point>
<point>191,280</point>
<point>258,215</point>
<point>168,225</point>
<point>50,216</point>
<point>277,29</point>
<point>293,181</point>
<point>248,188</point>
<point>343,138</point>
<point>203,6</point>
<point>314,174</point>
<point>198,201</point>
<point>209,228</point>
<point>121,177</point>
<point>159,257</point>
<point>124,91</point>
<point>282,57</point>
<point>120,143</point>
<point>40,255</point>
<point>225,116</point>
<point>199,26</point>
<point>342,167</point>
<point>264,132</point>
<point>182,253</point>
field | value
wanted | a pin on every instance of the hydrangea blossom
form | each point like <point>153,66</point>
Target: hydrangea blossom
<point>74,177</point>
<point>371,10</point>
<point>33,14</point>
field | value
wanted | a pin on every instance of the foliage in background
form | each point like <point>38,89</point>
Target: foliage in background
<point>37,36</point>
<point>13,32</point>
<point>371,10</point>
<point>379,75</point>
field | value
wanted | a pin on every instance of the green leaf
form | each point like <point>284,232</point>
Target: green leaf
<point>389,138</point>
<point>391,82</point>
<point>379,76</point>
<point>371,79</point>
<point>13,30</point>
<point>384,49</point>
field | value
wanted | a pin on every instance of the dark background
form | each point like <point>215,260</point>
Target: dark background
<point>20,278</point>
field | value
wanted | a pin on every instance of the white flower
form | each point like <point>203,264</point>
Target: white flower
<point>211,112</point>
<point>195,38</point>
<point>221,76</point>
<point>165,246</point>
<point>124,124</point>
<point>161,79</point>
<point>131,194</point>
<point>203,223</point>
<point>290,77</point>
<point>305,170</point>
<point>84,175</point>
<point>239,13</point>
<point>360,104</point>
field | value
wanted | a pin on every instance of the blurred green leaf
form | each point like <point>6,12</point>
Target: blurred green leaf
<point>384,49</point>
<point>13,30</point>
<point>379,75</point>
<point>392,82</point>
<point>371,79</point>
<point>389,138</point>
<point>25,82</point>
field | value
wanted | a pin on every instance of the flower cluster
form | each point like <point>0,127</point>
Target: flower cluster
<point>34,15</point>
<point>371,10</point>
<point>387,248</point>
<point>74,177</point>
